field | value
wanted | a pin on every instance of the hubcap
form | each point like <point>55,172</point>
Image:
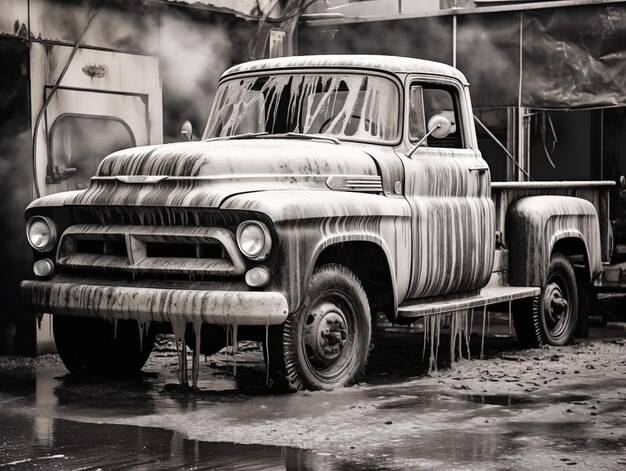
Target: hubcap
<point>556,306</point>
<point>325,334</point>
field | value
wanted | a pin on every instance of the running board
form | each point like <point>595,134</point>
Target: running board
<point>439,305</point>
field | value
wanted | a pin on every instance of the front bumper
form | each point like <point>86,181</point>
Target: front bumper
<point>155,304</point>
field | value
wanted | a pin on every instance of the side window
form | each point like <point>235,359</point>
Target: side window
<point>434,100</point>
<point>79,142</point>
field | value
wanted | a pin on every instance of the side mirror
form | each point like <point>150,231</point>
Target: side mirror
<point>186,130</point>
<point>622,182</point>
<point>439,126</point>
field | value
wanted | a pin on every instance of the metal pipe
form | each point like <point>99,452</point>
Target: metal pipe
<point>502,146</point>
<point>454,41</point>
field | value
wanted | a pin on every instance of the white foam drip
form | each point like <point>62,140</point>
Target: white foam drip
<point>267,356</point>
<point>510,320</point>
<point>458,332</point>
<point>195,366</point>
<point>432,329</point>
<point>460,327</point>
<point>482,338</point>
<point>178,327</point>
<point>142,327</point>
<point>234,344</point>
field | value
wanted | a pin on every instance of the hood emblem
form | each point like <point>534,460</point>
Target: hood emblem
<point>141,178</point>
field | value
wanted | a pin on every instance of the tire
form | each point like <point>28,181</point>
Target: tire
<point>551,318</point>
<point>96,347</point>
<point>326,343</point>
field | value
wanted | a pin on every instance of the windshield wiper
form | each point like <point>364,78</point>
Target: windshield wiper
<point>299,135</point>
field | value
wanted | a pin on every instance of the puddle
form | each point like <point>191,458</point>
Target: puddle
<point>512,400</point>
<point>57,444</point>
<point>496,400</point>
<point>417,403</point>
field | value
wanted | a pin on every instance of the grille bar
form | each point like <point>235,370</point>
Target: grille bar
<point>151,249</point>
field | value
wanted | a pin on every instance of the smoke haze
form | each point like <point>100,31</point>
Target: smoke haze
<point>193,55</point>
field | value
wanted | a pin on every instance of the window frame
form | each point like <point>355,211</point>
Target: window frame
<point>455,91</point>
<point>393,78</point>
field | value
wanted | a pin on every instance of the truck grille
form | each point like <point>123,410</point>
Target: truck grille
<point>151,249</point>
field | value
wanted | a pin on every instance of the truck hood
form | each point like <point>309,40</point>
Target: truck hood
<point>204,174</point>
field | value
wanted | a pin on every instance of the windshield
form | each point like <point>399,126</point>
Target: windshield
<point>343,105</point>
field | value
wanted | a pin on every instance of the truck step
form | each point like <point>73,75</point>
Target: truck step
<point>492,295</point>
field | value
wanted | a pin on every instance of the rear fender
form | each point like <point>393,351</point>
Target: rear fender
<point>535,225</point>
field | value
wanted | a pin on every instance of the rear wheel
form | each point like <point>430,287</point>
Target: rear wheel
<point>551,319</point>
<point>92,346</point>
<point>325,344</point>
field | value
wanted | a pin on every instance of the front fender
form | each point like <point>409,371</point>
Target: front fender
<point>302,242</point>
<point>534,226</point>
<point>356,236</point>
<point>306,222</point>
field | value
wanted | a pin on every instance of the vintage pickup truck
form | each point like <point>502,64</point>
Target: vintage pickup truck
<point>325,190</point>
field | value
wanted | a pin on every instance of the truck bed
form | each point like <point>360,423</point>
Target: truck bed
<point>596,192</point>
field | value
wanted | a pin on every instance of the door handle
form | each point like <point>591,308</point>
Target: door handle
<point>481,169</point>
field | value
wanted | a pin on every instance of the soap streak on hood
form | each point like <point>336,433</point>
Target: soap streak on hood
<point>237,157</point>
<point>204,174</point>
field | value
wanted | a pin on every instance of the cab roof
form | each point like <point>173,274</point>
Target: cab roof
<point>393,64</point>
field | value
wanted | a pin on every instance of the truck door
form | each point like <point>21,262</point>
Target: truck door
<point>447,185</point>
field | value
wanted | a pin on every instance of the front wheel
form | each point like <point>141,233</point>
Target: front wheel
<point>551,319</point>
<point>97,347</point>
<point>326,343</point>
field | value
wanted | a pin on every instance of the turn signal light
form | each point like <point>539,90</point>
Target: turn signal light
<point>43,268</point>
<point>257,277</point>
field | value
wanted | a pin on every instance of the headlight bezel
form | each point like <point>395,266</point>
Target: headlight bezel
<point>265,249</point>
<point>53,232</point>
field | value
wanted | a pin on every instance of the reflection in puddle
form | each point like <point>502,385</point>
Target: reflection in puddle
<point>64,444</point>
<point>496,400</point>
<point>42,440</point>
<point>512,400</point>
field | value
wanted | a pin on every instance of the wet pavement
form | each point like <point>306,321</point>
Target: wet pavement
<point>556,408</point>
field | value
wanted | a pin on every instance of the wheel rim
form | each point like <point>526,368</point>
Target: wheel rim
<point>556,306</point>
<point>328,338</point>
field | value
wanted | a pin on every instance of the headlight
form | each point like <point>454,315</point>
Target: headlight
<point>254,240</point>
<point>41,233</point>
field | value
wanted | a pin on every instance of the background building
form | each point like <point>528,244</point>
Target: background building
<point>547,77</point>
